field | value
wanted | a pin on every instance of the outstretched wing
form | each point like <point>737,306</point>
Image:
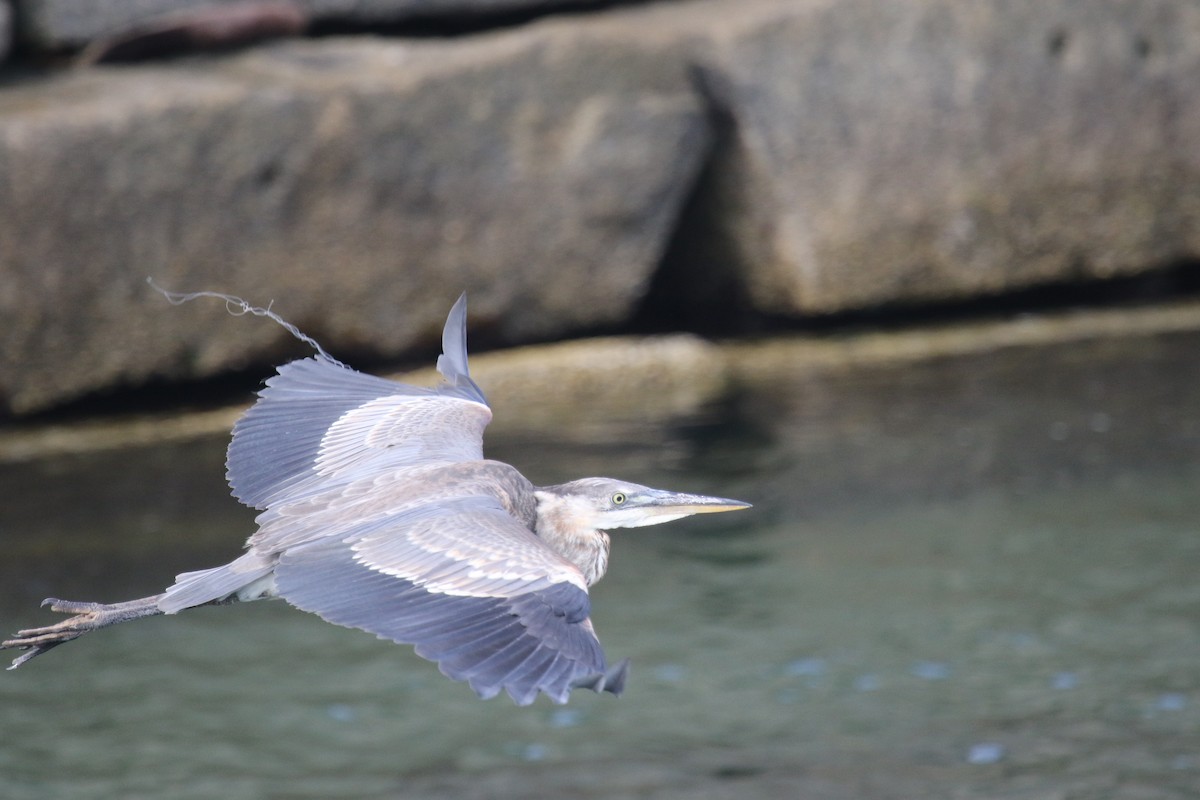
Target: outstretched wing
<point>319,424</point>
<point>470,586</point>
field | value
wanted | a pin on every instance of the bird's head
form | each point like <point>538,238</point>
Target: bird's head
<point>604,504</point>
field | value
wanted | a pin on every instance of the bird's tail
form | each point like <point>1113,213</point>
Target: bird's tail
<point>86,617</point>
<point>247,577</point>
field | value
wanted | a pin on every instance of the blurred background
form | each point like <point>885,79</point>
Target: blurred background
<point>918,280</point>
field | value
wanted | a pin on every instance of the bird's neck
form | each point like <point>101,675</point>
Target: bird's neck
<point>563,526</point>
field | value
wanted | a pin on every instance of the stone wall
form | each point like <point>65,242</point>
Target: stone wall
<point>792,157</point>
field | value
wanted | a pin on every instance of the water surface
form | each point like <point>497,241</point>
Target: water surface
<point>967,577</point>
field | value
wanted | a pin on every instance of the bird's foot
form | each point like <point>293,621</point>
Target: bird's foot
<point>86,617</point>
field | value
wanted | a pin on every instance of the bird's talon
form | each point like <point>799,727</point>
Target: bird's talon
<point>73,606</point>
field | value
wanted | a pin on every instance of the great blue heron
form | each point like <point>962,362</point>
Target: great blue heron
<point>379,512</point>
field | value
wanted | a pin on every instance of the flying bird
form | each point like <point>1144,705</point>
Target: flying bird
<point>380,512</point>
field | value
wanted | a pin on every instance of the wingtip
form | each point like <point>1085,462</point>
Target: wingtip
<point>453,360</point>
<point>452,363</point>
<point>456,320</point>
<point>614,679</point>
<point>611,680</point>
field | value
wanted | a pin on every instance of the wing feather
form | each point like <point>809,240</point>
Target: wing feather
<point>467,546</point>
<point>318,423</point>
<point>410,577</point>
<point>452,363</point>
<point>489,642</point>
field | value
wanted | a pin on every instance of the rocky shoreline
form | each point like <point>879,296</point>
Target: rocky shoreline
<point>586,389</point>
<point>588,166</point>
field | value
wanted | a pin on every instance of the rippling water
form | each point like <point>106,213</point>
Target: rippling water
<point>970,577</point>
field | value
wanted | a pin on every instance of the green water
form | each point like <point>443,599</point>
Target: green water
<point>972,577</point>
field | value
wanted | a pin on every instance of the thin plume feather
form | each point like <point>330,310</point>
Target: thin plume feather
<point>238,307</point>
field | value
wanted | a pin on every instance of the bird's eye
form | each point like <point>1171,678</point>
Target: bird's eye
<point>618,499</point>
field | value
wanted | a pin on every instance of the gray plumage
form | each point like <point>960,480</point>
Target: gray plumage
<point>379,512</point>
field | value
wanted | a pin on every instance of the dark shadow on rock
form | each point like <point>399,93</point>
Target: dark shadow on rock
<point>698,285</point>
<point>463,22</point>
<point>206,28</point>
<point>1175,281</point>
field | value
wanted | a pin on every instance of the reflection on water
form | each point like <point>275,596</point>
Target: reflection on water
<point>973,577</point>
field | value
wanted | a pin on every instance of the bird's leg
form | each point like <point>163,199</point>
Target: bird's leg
<point>86,617</point>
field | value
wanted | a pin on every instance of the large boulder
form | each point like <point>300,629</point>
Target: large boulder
<point>360,184</point>
<point>875,152</point>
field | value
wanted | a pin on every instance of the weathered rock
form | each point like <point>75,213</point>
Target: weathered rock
<point>883,152</point>
<point>595,390</point>
<point>58,24</point>
<point>589,388</point>
<point>858,153</point>
<point>359,184</point>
